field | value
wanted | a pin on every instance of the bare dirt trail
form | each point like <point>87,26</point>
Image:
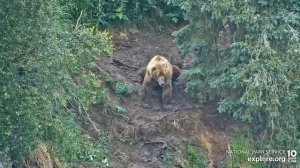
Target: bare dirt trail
<point>151,138</point>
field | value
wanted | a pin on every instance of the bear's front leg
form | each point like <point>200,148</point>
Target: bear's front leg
<point>167,96</point>
<point>146,93</point>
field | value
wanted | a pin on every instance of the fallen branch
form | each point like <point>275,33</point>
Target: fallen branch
<point>119,152</point>
<point>76,26</point>
<point>154,142</point>
<point>92,122</point>
<point>119,63</point>
<point>160,118</point>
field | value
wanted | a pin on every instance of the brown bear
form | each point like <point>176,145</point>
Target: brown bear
<point>159,71</point>
<point>176,72</point>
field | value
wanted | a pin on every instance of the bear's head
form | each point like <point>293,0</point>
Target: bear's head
<point>158,74</point>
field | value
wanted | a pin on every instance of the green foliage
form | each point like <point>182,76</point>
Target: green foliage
<point>196,84</point>
<point>239,158</point>
<point>256,75</point>
<point>110,81</point>
<point>168,158</point>
<point>102,97</point>
<point>195,158</point>
<point>120,111</point>
<point>74,146</point>
<point>104,144</point>
<point>108,13</point>
<point>45,73</point>
<point>123,89</point>
<point>242,145</point>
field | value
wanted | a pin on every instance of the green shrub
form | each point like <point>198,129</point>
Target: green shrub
<point>240,158</point>
<point>110,81</point>
<point>254,72</point>
<point>102,97</point>
<point>195,158</point>
<point>123,90</point>
<point>168,159</point>
<point>46,73</point>
<point>113,13</point>
<point>120,111</point>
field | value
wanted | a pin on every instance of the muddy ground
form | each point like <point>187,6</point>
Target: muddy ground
<point>152,138</point>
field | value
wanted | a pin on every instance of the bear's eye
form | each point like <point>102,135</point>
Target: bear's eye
<point>153,68</point>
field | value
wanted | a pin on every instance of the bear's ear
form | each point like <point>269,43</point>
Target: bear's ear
<point>153,69</point>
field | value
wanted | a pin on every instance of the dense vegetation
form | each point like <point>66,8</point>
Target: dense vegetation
<point>46,57</point>
<point>46,78</point>
<point>113,13</point>
<point>45,75</point>
<point>255,76</point>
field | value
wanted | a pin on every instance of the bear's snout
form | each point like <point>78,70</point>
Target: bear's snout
<point>161,81</point>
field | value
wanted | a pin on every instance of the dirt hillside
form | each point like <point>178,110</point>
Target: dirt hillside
<point>152,138</point>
